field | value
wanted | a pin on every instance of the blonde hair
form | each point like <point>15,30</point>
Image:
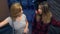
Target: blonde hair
<point>15,9</point>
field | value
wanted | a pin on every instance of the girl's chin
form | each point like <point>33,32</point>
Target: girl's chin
<point>40,14</point>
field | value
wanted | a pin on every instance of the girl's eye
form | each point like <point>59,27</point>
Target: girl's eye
<point>40,8</point>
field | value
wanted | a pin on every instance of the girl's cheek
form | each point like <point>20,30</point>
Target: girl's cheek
<point>40,12</point>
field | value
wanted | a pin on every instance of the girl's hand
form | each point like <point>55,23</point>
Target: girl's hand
<point>26,30</point>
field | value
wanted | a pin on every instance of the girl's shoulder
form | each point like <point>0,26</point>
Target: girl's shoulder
<point>9,18</point>
<point>23,15</point>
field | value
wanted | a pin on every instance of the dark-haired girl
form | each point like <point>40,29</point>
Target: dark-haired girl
<point>43,19</point>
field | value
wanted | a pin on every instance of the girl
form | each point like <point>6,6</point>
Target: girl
<point>43,19</point>
<point>17,19</point>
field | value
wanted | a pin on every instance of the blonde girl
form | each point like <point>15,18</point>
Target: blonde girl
<point>17,20</point>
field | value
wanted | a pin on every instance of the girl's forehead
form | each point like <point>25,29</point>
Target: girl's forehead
<point>40,7</point>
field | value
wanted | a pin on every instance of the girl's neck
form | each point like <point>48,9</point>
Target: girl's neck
<point>19,15</point>
<point>18,18</point>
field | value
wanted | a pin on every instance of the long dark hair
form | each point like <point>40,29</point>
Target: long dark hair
<point>46,14</point>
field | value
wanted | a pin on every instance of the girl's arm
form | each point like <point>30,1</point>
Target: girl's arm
<point>4,22</point>
<point>55,23</point>
<point>26,24</point>
<point>26,28</point>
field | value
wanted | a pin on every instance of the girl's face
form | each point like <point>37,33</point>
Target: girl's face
<point>20,13</point>
<point>40,9</point>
